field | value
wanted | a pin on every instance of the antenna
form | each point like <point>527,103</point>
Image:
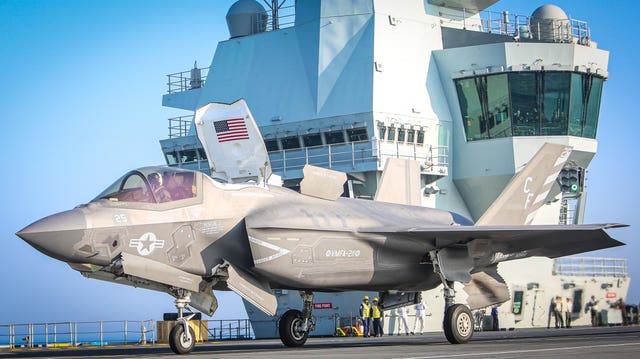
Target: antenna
<point>275,5</point>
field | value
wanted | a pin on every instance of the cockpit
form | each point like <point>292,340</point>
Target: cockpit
<point>152,185</point>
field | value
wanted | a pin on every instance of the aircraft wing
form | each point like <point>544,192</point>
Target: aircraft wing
<point>513,242</point>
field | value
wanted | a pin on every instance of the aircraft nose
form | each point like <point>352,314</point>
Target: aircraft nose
<point>57,234</point>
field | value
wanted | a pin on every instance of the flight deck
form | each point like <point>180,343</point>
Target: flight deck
<point>583,342</point>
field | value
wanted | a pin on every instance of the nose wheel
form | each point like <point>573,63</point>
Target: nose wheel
<point>182,339</point>
<point>179,341</point>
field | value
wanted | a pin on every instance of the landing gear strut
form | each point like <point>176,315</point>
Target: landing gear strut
<point>458,320</point>
<point>295,326</point>
<point>182,338</point>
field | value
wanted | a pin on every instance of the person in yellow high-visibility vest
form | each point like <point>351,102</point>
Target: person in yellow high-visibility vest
<point>376,314</point>
<point>365,314</point>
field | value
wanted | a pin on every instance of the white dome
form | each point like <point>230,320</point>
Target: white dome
<point>246,17</point>
<point>246,7</point>
<point>549,12</point>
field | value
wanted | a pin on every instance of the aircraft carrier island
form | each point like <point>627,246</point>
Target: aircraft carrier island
<point>468,94</point>
<point>428,155</point>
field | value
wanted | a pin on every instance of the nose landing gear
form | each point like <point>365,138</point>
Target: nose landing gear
<point>182,339</point>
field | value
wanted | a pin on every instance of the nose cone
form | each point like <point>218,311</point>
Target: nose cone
<point>56,235</point>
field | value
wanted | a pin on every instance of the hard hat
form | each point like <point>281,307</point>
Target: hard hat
<point>366,297</point>
<point>375,299</point>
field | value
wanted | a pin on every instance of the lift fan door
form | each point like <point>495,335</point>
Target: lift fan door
<point>233,143</point>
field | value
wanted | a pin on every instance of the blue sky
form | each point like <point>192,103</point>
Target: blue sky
<point>81,104</point>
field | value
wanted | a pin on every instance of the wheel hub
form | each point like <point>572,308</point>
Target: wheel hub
<point>296,331</point>
<point>463,323</point>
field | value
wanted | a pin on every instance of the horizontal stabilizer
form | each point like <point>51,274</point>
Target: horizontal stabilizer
<point>400,182</point>
<point>501,243</point>
<point>249,288</point>
<point>529,188</point>
<point>322,183</point>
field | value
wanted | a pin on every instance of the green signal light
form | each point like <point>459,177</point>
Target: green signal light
<point>574,187</point>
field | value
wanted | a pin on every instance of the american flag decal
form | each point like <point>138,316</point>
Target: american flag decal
<point>231,130</point>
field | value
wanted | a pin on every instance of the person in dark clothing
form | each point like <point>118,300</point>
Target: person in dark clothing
<point>592,307</point>
<point>494,316</point>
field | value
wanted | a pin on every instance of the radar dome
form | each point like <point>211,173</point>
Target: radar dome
<point>550,23</point>
<point>246,17</point>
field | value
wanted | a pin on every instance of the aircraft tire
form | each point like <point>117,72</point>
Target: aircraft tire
<point>177,341</point>
<point>290,334</point>
<point>458,324</point>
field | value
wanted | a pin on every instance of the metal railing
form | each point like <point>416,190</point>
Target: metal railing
<point>590,267</point>
<point>233,329</point>
<point>520,26</point>
<point>73,334</point>
<point>351,154</point>
<point>187,80</point>
<point>286,18</point>
<point>179,126</point>
<point>103,333</point>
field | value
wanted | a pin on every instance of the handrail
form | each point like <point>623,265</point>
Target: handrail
<point>590,267</point>
<point>519,26</point>
<point>107,332</point>
<point>179,126</point>
<point>187,80</point>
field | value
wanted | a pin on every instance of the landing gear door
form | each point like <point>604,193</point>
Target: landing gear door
<point>249,288</point>
<point>233,143</point>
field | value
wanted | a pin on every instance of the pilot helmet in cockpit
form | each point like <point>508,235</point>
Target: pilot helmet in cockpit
<point>155,180</point>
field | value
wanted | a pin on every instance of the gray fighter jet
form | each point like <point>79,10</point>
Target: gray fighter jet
<point>188,234</point>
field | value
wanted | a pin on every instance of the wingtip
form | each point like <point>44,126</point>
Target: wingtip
<point>614,225</point>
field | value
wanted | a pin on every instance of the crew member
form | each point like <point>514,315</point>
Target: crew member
<point>557,312</point>
<point>376,314</point>
<point>401,313</point>
<point>365,314</point>
<point>592,307</point>
<point>420,314</point>
<point>568,306</point>
<point>494,317</point>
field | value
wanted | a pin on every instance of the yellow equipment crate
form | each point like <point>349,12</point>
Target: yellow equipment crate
<point>199,328</point>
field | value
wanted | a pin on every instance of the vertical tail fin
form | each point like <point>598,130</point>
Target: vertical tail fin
<point>528,189</point>
<point>400,182</point>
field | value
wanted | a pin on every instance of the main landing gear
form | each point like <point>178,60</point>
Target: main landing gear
<point>182,338</point>
<point>458,320</point>
<point>295,326</point>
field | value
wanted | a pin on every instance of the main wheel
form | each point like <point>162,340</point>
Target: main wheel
<point>179,342</point>
<point>290,327</point>
<point>458,324</point>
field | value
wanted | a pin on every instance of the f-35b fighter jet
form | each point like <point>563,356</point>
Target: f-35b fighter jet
<point>189,234</point>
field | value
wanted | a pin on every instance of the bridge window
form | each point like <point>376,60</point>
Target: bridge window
<point>401,134</point>
<point>312,140</point>
<point>530,104</point>
<point>357,134</point>
<point>188,156</point>
<point>391,135</point>
<point>290,142</point>
<point>334,137</point>
<point>271,145</point>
